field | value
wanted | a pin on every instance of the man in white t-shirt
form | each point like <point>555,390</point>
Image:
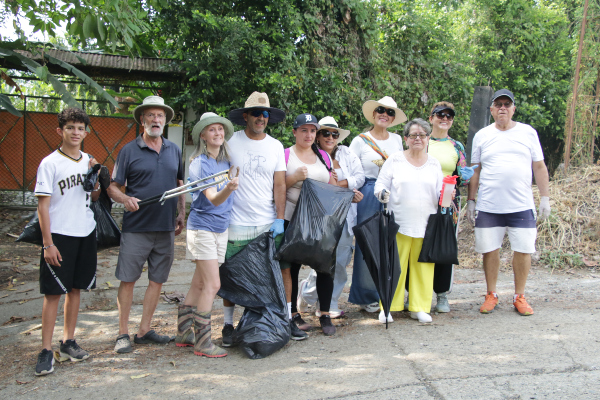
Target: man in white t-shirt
<point>507,152</point>
<point>259,202</point>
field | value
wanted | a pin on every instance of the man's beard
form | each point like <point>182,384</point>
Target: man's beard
<point>148,130</point>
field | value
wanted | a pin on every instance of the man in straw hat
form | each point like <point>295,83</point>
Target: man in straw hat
<point>259,203</point>
<point>147,166</point>
<point>506,152</point>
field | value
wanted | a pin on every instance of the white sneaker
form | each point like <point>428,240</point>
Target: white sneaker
<point>301,304</point>
<point>422,316</point>
<point>373,307</point>
<point>382,317</point>
<point>332,313</point>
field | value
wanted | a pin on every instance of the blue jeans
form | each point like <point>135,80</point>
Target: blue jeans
<point>363,290</point>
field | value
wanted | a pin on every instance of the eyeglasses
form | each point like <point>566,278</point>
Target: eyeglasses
<point>325,133</point>
<point>152,115</point>
<point>258,113</point>
<point>506,104</point>
<point>421,136</point>
<point>441,115</point>
<point>389,111</point>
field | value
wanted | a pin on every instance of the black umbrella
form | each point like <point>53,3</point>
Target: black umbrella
<point>376,237</point>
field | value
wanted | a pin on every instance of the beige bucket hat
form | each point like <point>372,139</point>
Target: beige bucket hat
<point>209,118</point>
<point>257,100</point>
<point>386,102</point>
<point>330,124</point>
<point>152,102</point>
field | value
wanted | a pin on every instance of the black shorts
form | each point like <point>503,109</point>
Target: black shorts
<point>78,266</point>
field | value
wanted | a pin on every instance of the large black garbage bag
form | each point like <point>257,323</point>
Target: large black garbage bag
<point>316,226</point>
<point>91,177</point>
<point>32,233</point>
<point>439,244</point>
<point>252,279</point>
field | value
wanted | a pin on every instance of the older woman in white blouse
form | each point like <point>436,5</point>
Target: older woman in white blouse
<point>411,181</point>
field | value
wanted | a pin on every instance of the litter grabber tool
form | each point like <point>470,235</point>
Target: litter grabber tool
<point>219,178</point>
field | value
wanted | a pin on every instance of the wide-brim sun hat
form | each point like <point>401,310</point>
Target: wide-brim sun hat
<point>210,118</point>
<point>152,102</point>
<point>370,105</point>
<point>260,101</point>
<point>330,124</point>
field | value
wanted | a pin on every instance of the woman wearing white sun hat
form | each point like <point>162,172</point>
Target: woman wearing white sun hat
<point>373,147</point>
<point>350,175</point>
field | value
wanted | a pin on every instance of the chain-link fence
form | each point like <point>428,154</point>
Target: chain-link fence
<point>26,140</point>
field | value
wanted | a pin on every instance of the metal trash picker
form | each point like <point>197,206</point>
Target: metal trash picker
<point>161,198</point>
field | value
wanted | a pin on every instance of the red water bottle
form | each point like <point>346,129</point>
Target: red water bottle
<point>448,185</point>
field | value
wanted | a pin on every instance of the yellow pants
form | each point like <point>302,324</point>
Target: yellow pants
<point>420,282</point>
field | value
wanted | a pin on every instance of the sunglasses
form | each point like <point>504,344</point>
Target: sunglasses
<point>325,133</point>
<point>258,113</point>
<point>441,115</point>
<point>506,104</point>
<point>389,111</point>
<point>421,136</point>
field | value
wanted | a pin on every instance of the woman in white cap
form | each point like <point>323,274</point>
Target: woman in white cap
<point>304,160</point>
<point>349,174</point>
<point>372,148</point>
<point>206,233</point>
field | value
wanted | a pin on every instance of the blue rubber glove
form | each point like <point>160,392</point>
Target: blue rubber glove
<point>467,172</point>
<point>277,227</point>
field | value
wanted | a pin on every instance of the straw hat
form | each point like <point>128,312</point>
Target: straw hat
<point>152,102</point>
<point>386,102</point>
<point>330,124</point>
<point>260,101</point>
<point>210,118</point>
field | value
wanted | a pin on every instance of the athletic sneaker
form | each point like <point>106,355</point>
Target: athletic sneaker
<point>422,316</point>
<point>382,318</point>
<point>123,344</point>
<point>302,305</point>
<point>301,324</point>
<point>442,305</point>
<point>296,334</point>
<point>373,307</point>
<point>326,325</point>
<point>490,303</point>
<point>227,334</point>
<point>45,363</point>
<point>70,350</point>
<point>521,305</point>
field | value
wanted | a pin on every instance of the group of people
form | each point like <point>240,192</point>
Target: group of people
<point>261,197</point>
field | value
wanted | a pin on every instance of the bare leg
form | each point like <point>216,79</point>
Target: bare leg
<point>124,299</point>
<point>521,265</point>
<point>491,265</point>
<point>227,303</point>
<point>49,312</point>
<point>150,302</point>
<point>287,283</point>
<point>205,285</point>
<point>72,301</point>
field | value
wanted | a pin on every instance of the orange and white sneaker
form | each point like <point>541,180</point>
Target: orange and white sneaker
<point>521,305</point>
<point>490,303</point>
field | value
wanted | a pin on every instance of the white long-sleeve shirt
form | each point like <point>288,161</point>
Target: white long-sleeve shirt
<point>414,191</point>
<point>353,172</point>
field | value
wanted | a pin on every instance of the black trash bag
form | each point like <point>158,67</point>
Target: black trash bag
<point>107,231</point>
<point>440,245</point>
<point>313,234</point>
<point>91,177</point>
<point>252,279</point>
<point>32,233</point>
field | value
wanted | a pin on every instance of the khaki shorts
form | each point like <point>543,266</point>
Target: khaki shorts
<point>206,245</point>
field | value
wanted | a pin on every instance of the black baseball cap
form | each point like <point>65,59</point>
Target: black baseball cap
<point>504,92</point>
<point>306,119</point>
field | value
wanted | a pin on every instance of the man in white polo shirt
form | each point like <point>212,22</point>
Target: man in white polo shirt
<point>507,152</point>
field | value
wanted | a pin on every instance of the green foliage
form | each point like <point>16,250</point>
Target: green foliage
<point>558,259</point>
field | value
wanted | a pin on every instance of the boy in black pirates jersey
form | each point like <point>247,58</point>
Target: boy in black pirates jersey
<point>68,260</point>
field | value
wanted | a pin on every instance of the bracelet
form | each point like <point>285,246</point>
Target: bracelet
<point>96,190</point>
<point>471,200</point>
<point>47,247</point>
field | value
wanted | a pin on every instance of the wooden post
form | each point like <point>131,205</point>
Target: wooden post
<point>575,84</point>
<point>480,114</point>
<point>595,120</point>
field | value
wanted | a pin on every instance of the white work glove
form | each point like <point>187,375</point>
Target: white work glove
<point>383,196</point>
<point>471,211</point>
<point>544,208</point>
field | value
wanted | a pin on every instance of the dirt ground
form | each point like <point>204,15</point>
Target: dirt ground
<point>553,354</point>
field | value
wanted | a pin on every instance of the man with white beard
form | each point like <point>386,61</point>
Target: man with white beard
<point>147,166</point>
